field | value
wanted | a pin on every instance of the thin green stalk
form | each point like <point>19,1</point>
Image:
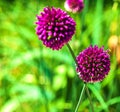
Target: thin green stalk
<point>72,53</point>
<point>80,98</point>
<point>89,97</point>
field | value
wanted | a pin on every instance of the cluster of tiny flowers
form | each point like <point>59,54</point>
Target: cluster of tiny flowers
<point>74,5</point>
<point>54,27</point>
<point>93,64</point>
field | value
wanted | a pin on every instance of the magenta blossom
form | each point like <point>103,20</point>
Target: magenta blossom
<point>93,64</point>
<point>54,27</point>
<point>74,5</point>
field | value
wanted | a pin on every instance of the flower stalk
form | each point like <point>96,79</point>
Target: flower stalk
<point>72,53</point>
<point>89,97</point>
<point>80,98</point>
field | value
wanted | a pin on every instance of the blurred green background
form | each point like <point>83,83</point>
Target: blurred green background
<point>34,78</point>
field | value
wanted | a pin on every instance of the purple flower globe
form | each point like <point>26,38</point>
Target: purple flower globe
<point>93,64</point>
<point>74,5</point>
<point>54,27</point>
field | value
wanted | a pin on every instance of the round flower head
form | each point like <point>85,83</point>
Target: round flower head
<point>54,27</point>
<point>93,64</point>
<point>74,5</point>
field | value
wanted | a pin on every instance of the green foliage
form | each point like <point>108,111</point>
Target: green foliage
<point>34,78</point>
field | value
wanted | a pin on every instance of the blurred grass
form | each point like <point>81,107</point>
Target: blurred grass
<point>35,78</point>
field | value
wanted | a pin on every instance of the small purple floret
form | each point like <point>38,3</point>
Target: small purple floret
<point>74,5</point>
<point>55,27</point>
<point>94,64</point>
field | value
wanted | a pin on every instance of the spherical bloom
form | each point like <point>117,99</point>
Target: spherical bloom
<point>74,5</point>
<point>55,27</point>
<point>93,64</point>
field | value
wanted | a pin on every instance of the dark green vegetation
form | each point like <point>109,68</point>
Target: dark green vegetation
<point>34,78</point>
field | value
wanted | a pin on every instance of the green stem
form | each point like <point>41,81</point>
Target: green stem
<point>80,98</point>
<point>72,53</point>
<point>89,97</point>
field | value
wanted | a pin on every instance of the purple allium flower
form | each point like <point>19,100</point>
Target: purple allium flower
<point>55,27</point>
<point>93,64</point>
<point>74,5</point>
